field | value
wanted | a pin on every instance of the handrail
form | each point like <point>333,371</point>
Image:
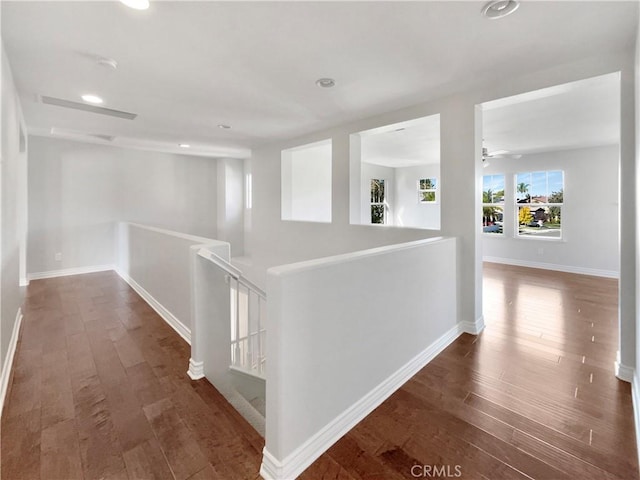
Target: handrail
<point>247,338</point>
<point>231,270</point>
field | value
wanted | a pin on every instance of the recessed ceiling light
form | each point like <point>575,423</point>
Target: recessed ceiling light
<point>224,127</point>
<point>325,82</point>
<point>499,8</point>
<point>89,98</point>
<point>136,4</point>
<point>184,145</point>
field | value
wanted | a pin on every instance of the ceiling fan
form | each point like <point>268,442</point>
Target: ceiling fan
<point>487,155</point>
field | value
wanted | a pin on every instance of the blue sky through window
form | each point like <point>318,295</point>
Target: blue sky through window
<point>495,183</point>
<point>539,184</point>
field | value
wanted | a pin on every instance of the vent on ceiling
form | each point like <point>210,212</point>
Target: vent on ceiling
<point>59,102</point>
<point>63,132</point>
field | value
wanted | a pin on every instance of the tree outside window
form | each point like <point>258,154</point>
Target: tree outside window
<point>377,201</point>
<point>427,188</point>
<point>492,204</point>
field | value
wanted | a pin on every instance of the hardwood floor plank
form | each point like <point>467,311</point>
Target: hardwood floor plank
<point>20,452</point>
<point>99,444</point>
<point>178,444</point>
<point>145,384</point>
<point>147,462</point>
<point>60,452</point>
<point>132,426</point>
<point>207,473</point>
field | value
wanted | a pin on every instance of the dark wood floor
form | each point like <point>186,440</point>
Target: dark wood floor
<point>534,396</point>
<point>100,392</point>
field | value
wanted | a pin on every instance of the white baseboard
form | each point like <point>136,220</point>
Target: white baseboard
<point>8,359</point>
<point>297,461</point>
<point>635,395</point>
<point>623,372</point>
<point>553,266</point>
<point>69,271</point>
<point>166,315</point>
<point>196,369</point>
<point>24,282</point>
<point>474,328</point>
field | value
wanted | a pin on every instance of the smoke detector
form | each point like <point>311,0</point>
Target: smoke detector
<point>499,8</point>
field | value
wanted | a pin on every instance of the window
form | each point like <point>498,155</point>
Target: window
<point>492,204</point>
<point>427,190</point>
<point>247,191</point>
<point>539,198</point>
<point>377,201</point>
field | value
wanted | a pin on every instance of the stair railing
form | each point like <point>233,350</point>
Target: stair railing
<point>248,311</point>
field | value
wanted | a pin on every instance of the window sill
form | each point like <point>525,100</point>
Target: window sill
<point>542,239</point>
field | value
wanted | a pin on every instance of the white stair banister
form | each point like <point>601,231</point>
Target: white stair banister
<point>247,331</point>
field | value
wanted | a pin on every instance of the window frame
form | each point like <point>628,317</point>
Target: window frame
<point>382,204</point>
<point>433,190</point>
<point>537,205</point>
<point>494,204</point>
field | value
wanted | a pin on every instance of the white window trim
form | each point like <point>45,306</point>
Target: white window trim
<point>425,190</point>
<point>517,205</point>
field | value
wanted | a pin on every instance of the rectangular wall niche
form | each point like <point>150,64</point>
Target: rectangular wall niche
<point>306,183</point>
<point>395,175</point>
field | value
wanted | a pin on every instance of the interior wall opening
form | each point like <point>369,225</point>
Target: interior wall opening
<point>551,186</point>
<point>396,175</point>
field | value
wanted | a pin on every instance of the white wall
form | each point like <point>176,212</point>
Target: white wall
<point>321,379</point>
<point>306,183</point>
<point>589,215</point>
<point>74,199</point>
<point>409,212</point>
<point>636,364</point>
<point>273,242</point>
<point>157,263</point>
<point>77,191</point>
<point>231,203</point>
<point>12,221</point>
<point>175,192</point>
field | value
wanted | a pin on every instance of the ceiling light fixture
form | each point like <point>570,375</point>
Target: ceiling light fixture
<point>184,145</point>
<point>136,4</point>
<point>107,63</point>
<point>499,8</point>
<point>89,98</point>
<point>325,82</point>
<point>224,127</point>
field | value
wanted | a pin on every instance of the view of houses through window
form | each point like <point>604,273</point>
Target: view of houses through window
<point>539,198</point>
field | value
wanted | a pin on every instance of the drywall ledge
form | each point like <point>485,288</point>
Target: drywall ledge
<point>8,360</point>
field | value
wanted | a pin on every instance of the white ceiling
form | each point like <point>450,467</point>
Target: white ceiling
<point>578,114</point>
<point>185,67</point>
<point>406,144</point>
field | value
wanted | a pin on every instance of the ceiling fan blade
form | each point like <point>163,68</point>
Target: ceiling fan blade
<point>506,155</point>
